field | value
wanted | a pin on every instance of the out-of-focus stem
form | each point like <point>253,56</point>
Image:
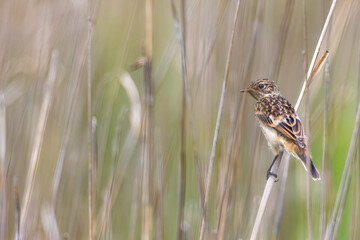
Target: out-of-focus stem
<point>217,126</point>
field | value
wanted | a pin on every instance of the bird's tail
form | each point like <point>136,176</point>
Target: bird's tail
<point>312,171</point>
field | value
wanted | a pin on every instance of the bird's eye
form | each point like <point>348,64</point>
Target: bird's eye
<point>261,86</point>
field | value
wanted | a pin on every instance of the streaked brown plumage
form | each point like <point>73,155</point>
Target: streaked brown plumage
<point>279,123</point>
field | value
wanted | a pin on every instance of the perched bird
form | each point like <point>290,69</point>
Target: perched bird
<point>280,124</point>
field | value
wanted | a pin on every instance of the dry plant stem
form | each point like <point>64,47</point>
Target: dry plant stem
<point>3,164</point>
<point>317,49</point>
<point>39,133</point>
<point>237,110</point>
<point>160,200</point>
<point>344,183</point>
<point>217,127</point>
<point>356,198</point>
<point>92,226</point>
<point>70,114</point>
<point>134,205</point>
<point>343,201</point>
<point>182,168</point>
<point>60,163</point>
<point>170,50</point>
<point>245,74</point>
<point>125,46</point>
<point>322,216</point>
<point>147,209</point>
<point>124,154</point>
<point>180,35</point>
<point>280,200</point>
<point>17,213</point>
<point>223,210</point>
<point>224,197</point>
<point>131,139</point>
<point>105,220</point>
<point>356,194</point>
<point>187,104</point>
<point>307,119</point>
<point>308,177</point>
<point>285,22</point>
<point>269,184</point>
<point>49,223</point>
<point>94,164</point>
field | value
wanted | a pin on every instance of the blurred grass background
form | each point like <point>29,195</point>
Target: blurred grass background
<point>32,31</point>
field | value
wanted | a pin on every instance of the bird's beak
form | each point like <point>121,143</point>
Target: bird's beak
<point>245,90</point>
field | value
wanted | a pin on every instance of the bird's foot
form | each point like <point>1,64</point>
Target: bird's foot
<point>268,174</point>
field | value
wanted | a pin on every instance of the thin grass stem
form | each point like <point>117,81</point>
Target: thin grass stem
<point>147,185</point>
<point>182,165</point>
<point>17,213</point>
<point>308,177</point>
<point>245,75</point>
<point>160,200</point>
<point>180,35</point>
<point>316,52</point>
<point>307,120</point>
<point>332,226</point>
<point>322,200</point>
<point>280,200</point>
<point>217,126</point>
<point>285,22</point>
<point>341,194</point>
<point>38,140</point>
<point>264,199</point>
<point>3,167</point>
<point>92,225</point>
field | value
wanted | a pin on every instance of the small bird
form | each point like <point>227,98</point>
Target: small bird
<point>280,124</point>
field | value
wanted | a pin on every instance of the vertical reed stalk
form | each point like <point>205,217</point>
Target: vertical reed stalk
<point>38,139</point>
<point>17,213</point>
<point>316,53</point>
<point>322,201</point>
<point>94,164</point>
<point>180,33</point>
<point>355,206</point>
<point>3,164</point>
<point>160,199</point>
<point>245,75</point>
<point>285,22</point>
<point>269,184</point>
<point>217,127</point>
<point>332,226</point>
<point>91,184</point>
<point>182,167</point>
<point>147,209</point>
<point>308,177</point>
<point>224,196</point>
<point>135,203</point>
<point>281,197</point>
<point>307,120</point>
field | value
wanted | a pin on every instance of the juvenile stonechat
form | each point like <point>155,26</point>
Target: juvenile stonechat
<point>279,123</point>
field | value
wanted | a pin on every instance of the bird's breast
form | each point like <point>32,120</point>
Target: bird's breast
<point>275,142</point>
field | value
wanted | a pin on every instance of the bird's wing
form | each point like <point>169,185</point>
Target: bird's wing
<point>286,122</point>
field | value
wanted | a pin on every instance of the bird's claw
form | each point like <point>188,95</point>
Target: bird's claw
<point>268,174</point>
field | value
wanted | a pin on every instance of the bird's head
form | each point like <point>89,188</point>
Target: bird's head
<point>261,88</point>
